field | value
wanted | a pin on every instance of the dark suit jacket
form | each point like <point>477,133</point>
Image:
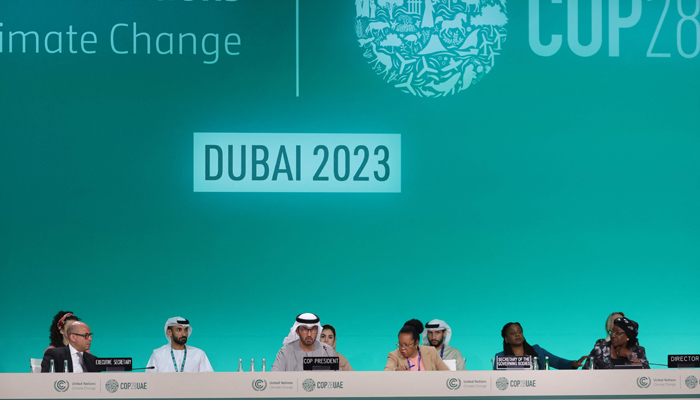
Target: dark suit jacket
<point>60,354</point>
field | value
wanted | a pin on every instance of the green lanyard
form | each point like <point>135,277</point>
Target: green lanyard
<point>182,368</point>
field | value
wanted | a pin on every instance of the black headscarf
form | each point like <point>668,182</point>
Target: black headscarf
<point>630,327</point>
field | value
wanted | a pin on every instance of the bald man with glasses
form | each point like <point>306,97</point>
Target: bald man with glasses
<point>301,342</point>
<point>75,355</point>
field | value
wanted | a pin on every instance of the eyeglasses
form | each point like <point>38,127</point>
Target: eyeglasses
<point>84,335</point>
<point>613,333</point>
<point>303,329</point>
<point>405,346</point>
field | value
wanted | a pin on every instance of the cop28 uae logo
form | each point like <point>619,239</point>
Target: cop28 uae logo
<point>502,383</point>
<point>61,385</point>
<point>112,385</point>
<point>309,385</point>
<point>431,48</point>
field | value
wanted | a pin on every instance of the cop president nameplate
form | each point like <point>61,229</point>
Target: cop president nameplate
<point>321,363</point>
<point>278,162</point>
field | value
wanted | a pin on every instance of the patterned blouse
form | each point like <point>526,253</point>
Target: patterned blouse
<point>603,360</point>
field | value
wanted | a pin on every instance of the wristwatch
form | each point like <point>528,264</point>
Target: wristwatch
<point>629,357</point>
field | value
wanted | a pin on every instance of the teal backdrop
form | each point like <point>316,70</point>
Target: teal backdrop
<point>555,190</point>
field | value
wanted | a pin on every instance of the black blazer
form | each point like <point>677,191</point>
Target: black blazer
<point>60,354</point>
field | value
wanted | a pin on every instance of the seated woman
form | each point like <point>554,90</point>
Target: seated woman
<point>59,329</point>
<point>514,344</point>
<point>328,337</point>
<point>411,357</point>
<point>622,349</point>
<point>609,325</point>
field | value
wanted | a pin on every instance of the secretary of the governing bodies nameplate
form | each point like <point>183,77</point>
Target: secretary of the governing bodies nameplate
<point>276,162</point>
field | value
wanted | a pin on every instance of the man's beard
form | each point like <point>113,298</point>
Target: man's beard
<point>181,340</point>
<point>438,343</point>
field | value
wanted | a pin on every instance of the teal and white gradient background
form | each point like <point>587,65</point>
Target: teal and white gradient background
<point>553,192</point>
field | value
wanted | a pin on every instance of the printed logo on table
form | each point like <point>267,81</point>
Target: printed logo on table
<point>431,48</point>
<point>259,385</point>
<point>112,386</point>
<point>61,385</point>
<point>502,383</point>
<point>309,385</point>
<point>643,382</point>
<point>454,383</point>
<point>691,381</point>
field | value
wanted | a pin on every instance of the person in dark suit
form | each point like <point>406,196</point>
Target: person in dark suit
<point>79,360</point>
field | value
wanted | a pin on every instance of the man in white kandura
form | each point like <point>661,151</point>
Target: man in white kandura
<point>438,334</point>
<point>176,356</point>
<point>301,342</point>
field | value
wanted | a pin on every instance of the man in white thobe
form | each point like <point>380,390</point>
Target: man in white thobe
<point>176,356</point>
<point>438,334</point>
<point>301,343</point>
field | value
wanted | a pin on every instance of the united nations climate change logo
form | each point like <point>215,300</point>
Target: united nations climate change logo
<point>309,385</point>
<point>453,383</point>
<point>691,381</point>
<point>643,382</point>
<point>259,385</point>
<point>62,386</point>
<point>112,385</point>
<point>431,48</point>
<point>502,383</point>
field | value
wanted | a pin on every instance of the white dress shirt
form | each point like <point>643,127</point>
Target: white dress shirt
<point>77,358</point>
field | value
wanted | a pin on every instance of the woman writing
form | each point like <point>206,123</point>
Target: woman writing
<point>622,349</point>
<point>328,337</point>
<point>514,344</point>
<point>409,356</point>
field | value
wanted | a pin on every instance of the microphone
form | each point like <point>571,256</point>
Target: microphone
<point>136,369</point>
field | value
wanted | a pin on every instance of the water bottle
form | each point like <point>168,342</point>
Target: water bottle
<point>240,365</point>
<point>252,365</point>
<point>263,366</point>
<point>590,359</point>
<point>65,365</point>
<point>535,366</point>
<point>546,363</point>
<point>52,368</point>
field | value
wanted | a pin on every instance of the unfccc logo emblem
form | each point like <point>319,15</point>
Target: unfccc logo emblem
<point>454,383</point>
<point>259,385</point>
<point>691,381</point>
<point>643,382</point>
<point>502,383</point>
<point>431,48</point>
<point>61,385</point>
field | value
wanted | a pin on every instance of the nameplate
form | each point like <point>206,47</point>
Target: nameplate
<point>513,362</point>
<point>321,363</point>
<point>684,361</point>
<point>113,364</point>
